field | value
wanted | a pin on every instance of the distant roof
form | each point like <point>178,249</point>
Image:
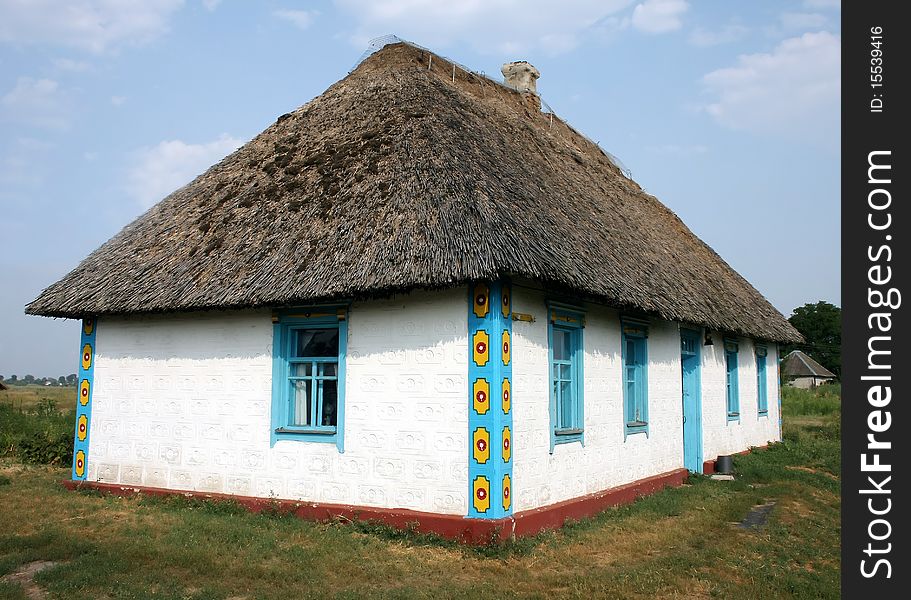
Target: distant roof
<point>412,173</point>
<point>798,364</point>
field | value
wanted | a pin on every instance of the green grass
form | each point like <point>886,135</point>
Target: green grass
<point>824,400</point>
<point>37,424</point>
<point>679,543</point>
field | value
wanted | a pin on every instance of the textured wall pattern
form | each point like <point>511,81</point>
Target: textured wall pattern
<point>184,402</point>
<point>84,402</point>
<point>490,400</point>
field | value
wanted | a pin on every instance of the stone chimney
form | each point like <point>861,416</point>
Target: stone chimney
<point>521,76</point>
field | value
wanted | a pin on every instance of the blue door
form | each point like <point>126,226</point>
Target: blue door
<point>690,362</point>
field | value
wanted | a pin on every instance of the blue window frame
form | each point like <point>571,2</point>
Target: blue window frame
<point>762,381</point>
<point>308,376</point>
<point>565,352</point>
<point>634,356</point>
<point>732,385</point>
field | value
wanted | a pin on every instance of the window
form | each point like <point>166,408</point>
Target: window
<point>308,376</point>
<point>634,355</point>
<point>733,392</point>
<point>565,335</point>
<point>762,379</point>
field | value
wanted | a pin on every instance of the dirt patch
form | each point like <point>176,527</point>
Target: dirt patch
<point>809,470</point>
<point>25,577</point>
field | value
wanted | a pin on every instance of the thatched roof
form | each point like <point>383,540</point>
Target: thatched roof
<point>800,364</point>
<point>397,178</point>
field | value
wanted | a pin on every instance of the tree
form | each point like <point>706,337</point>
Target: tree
<point>71,379</point>
<point>61,380</point>
<point>820,325</point>
<point>28,379</point>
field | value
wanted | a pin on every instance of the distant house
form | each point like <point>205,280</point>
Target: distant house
<point>800,370</point>
<point>417,298</point>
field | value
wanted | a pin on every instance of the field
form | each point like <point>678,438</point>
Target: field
<point>680,543</point>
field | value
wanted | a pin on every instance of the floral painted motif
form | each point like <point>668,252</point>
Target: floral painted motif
<point>507,396</point>
<point>82,427</point>
<point>506,348</point>
<point>481,394</point>
<point>507,492</point>
<point>88,326</point>
<point>507,444</point>
<point>481,445</point>
<point>79,464</point>
<point>481,300</point>
<point>84,391</point>
<point>481,494</point>
<point>87,357</point>
<point>480,348</point>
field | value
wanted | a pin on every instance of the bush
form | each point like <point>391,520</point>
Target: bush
<point>824,400</point>
<point>40,435</point>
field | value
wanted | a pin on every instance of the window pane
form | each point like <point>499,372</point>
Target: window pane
<point>328,369</point>
<point>561,344</point>
<point>300,402</point>
<point>330,402</point>
<point>301,369</point>
<point>566,398</point>
<point>316,342</point>
<point>565,372</point>
<point>630,352</point>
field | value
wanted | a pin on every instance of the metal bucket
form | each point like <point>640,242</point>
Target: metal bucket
<point>724,464</point>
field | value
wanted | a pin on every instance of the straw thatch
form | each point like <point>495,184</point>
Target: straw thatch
<point>397,178</point>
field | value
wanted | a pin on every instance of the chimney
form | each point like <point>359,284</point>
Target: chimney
<point>521,76</point>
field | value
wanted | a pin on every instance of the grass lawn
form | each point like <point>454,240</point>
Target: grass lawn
<point>679,543</point>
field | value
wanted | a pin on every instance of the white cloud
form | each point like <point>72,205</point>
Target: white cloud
<point>118,100</point>
<point>92,25</point>
<point>68,64</point>
<point>488,26</point>
<point>659,16</point>
<point>171,164</point>
<point>302,19</point>
<point>37,102</point>
<point>803,21</point>
<point>727,34</point>
<point>792,91</point>
<point>211,4</point>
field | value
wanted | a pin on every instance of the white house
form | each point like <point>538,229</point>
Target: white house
<point>416,298</point>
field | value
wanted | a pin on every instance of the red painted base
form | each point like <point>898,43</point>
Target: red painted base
<point>708,467</point>
<point>463,529</point>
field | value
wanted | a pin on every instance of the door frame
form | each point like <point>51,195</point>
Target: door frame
<point>692,411</point>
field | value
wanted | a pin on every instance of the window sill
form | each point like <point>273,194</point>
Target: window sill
<point>634,427</point>
<point>306,435</point>
<point>565,436</point>
<point>763,413</point>
<point>734,417</point>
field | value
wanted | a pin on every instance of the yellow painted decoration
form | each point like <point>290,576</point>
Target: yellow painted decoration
<point>82,427</point>
<point>481,300</point>
<point>84,389</point>
<point>87,357</point>
<point>507,444</point>
<point>480,347</point>
<point>88,326</point>
<point>80,463</point>
<point>481,395</point>
<point>480,445</point>
<point>507,348</point>
<point>481,497</point>
<point>505,304</point>
<point>507,492</point>
<point>507,396</point>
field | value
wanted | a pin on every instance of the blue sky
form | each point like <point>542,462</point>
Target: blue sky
<point>728,111</point>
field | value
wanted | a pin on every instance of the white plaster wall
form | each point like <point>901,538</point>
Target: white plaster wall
<point>184,402</point>
<point>723,437</point>
<point>606,460</point>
